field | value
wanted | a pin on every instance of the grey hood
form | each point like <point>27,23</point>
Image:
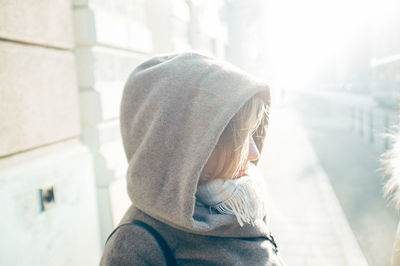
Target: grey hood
<point>173,110</point>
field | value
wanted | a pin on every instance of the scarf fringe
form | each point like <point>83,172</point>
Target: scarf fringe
<point>240,206</point>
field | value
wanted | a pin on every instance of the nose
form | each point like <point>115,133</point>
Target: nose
<point>254,154</point>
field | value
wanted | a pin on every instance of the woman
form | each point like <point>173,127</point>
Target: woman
<point>192,129</point>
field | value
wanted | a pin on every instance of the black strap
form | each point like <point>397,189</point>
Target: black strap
<point>270,238</point>
<point>168,255</point>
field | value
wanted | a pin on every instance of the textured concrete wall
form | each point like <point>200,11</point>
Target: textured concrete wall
<point>97,24</point>
<point>65,234</point>
<point>40,141</point>
<point>45,22</point>
<point>38,84</point>
<point>38,90</point>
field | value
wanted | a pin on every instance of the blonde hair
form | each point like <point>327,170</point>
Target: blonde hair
<point>231,151</point>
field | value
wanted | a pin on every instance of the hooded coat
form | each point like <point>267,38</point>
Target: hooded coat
<point>173,110</point>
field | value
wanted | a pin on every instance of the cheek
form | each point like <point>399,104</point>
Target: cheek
<point>253,150</point>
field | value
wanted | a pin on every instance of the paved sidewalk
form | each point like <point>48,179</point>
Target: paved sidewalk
<point>306,218</point>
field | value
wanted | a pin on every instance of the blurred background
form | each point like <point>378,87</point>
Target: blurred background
<point>334,70</point>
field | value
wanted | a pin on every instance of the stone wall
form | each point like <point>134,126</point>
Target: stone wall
<point>40,146</point>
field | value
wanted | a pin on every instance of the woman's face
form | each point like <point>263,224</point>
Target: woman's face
<point>235,146</point>
<point>253,154</point>
<point>215,164</point>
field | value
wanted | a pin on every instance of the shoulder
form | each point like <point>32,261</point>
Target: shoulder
<point>132,245</point>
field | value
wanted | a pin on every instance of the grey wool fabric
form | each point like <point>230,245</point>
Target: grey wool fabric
<point>173,110</point>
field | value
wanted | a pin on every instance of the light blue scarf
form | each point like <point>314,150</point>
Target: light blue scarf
<point>243,197</point>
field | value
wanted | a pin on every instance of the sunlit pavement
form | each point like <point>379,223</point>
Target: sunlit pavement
<point>306,218</point>
<point>351,162</point>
